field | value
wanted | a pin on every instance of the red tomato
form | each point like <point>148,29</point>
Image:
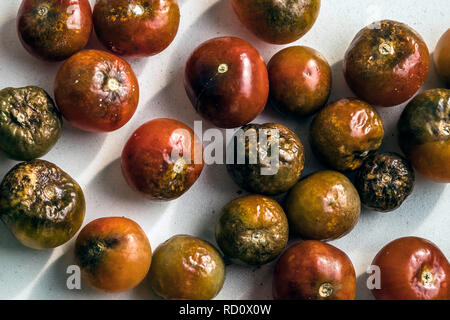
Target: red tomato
<point>314,270</point>
<point>227,82</point>
<point>148,163</point>
<point>412,269</point>
<point>136,27</point>
<point>96,91</point>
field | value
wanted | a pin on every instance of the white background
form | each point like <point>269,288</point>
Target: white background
<point>93,159</point>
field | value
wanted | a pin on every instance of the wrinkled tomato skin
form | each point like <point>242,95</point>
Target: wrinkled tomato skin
<point>54,30</point>
<point>307,269</point>
<point>147,159</point>
<point>227,82</point>
<point>277,21</point>
<point>424,136</point>
<point>96,91</point>
<point>300,80</point>
<point>386,63</point>
<point>441,58</point>
<point>404,263</point>
<point>114,254</point>
<point>146,30</point>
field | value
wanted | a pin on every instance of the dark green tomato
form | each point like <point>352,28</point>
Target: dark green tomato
<point>54,30</point>
<point>30,124</point>
<point>384,181</point>
<point>186,268</point>
<point>277,21</point>
<point>386,63</point>
<point>263,172</point>
<point>424,134</point>
<point>41,204</point>
<point>252,229</point>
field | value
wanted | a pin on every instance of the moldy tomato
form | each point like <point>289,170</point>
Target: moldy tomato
<point>54,30</point>
<point>148,163</point>
<point>412,269</point>
<point>313,270</point>
<point>96,91</point>
<point>227,82</point>
<point>136,27</point>
<point>187,268</point>
<point>30,123</point>
<point>345,132</point>
<point>252,229</point>
<point>300,80</point>
<point>424,134</point>
<point>41,204</point>
<point>386,63</point>
<point>384,181</point>
<point>114,254</point>
<point>287,168</point>
<point>277,21</point>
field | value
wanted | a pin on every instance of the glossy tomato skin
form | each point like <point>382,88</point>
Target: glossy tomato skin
<point>252,229</point>
<point>323,206</point>
<point>96,91</point>
<point>114,254</point>
<point>187,268</point>
<point>300,80</point>
<point>227,82</point>
<point>277,21</point>
<point>412,269</point>
<point>346,132</point>
<point>314,270</point>
<point>441,58</point>
<point>424,136</point>
<point>41,205</point>
<point>147,159</point>
<point>136,28</point>
<point>386,63</point>
<point>54,30</point>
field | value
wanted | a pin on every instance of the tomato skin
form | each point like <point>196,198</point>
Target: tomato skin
<point>403,265</point>
<point>277,21</point>
<point>386,63</point>
<point>227,82</point>
<point>144,31</point>
<point>441,58</point>
<point>54,30</point>
<point>424,136</point>
<point>300,80</point>
<point>96,91</point>
<point>114,254</point>
<point>146,159</point>
<point>307,269</point>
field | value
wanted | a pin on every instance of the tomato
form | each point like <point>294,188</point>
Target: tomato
<point>30,124</point>
<point>441,57</point>
<point>412,269</point>
<point>314,270</point>
<point>227,82</point>
<point>277,21</point>
<point>300,80</point>
<point>386,63</point>
<point>187,268</point>
<point>136,27</point>
<point>96,91</point>
<point>54,30</point>
<point>148,163</point>
<point>41,204</point>
<point>424,135</point>
<point>114,254</point>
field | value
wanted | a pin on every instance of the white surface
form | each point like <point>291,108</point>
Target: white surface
<point>92,159</point>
